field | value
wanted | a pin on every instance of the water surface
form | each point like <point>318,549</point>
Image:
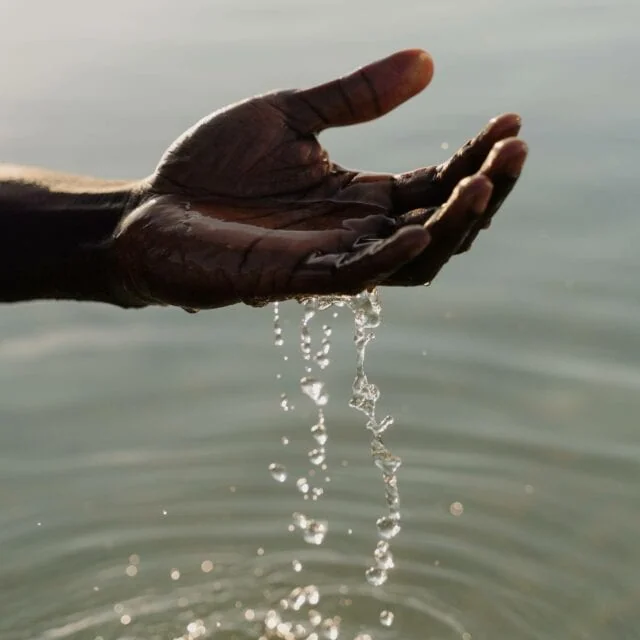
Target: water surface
<point>143,438</point>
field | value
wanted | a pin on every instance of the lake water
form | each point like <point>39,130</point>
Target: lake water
<point>135,496</point>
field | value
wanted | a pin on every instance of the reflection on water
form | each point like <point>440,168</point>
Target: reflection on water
<point>136,499</point>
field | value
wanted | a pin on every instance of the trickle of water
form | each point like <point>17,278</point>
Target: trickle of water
<point>367,310</point>
<point>278,340</point>
<point>384,459</point>
<point>278,472</point>
<point>312,386</point>
<point>305,336</point>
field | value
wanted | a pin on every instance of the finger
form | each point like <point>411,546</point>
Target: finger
<point>432,186</point>
<point>503,167</point>
<point>365,94</point>
<point>351,272</point>
<point>447,229</point>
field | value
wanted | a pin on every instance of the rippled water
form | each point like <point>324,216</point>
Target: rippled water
<point>136,499</point>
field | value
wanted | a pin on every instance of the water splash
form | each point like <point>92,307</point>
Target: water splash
<point>367,310</point>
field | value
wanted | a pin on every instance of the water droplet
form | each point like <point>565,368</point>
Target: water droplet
<point>376,576</point>
<point>314,617</point>
<point>330,629</point>
<point>284,403</point>
<point>272,620</point>
<point>303,485</point>
<point>300,520</point>
<point>456,509</point>
<point>206,566</point>
<point>313,531</point>
<point>388,527</point>
<point>319,433</point>
<point>278,472</point>
<point>317,456</point>
<point>386,618</point>
<point>315,390</point>
<point>383,555</point>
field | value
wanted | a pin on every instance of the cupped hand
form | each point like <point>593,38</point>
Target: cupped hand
<point>246,206</point>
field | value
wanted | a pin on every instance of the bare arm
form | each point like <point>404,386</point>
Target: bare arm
<point>55,234</point>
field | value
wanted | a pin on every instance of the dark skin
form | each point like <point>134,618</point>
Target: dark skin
<point>246,206</point>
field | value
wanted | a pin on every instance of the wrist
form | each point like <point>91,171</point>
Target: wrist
<point>57,234</point>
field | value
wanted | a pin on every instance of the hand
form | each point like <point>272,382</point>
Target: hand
<point>246,206</point>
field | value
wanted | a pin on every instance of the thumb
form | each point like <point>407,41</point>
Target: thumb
<point>365,94</point>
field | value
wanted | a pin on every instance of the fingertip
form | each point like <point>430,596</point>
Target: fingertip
<point>510,117</point>
<point>414,68</point>
<point>411,240</point>
<point>508,155</point>
<point>420,67</point>
<point>476,192</point>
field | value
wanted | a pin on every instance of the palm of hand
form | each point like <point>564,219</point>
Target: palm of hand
<point>247,206</point>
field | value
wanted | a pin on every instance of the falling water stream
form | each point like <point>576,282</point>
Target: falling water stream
<point>366,308</point>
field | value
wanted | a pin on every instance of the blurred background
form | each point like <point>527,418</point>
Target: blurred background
<point>135,496</point>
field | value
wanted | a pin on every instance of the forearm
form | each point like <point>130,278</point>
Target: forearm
<point>54,234</point>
